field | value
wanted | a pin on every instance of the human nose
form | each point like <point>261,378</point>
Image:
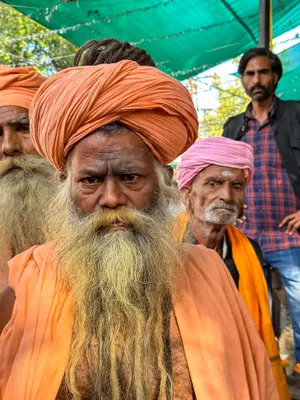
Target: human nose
<point>225,193</point>
<point>256,79</point>
<point>11,146</point>
<point>112,196</point>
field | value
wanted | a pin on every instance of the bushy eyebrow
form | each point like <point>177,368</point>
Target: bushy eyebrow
<point>96,173</point>
<point>222,179</point>
<point>263,70</point>
<point>215,178</point>
<point>22,119</point>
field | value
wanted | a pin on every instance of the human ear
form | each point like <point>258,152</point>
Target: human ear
<point>62,175</point>
<point>184,196</point>
<point>275,78</point>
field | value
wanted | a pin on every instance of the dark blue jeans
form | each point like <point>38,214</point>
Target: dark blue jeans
<point>288,264</point>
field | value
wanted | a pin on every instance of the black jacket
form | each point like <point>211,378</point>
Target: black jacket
<point>285,124</point>
<point>230,264</point>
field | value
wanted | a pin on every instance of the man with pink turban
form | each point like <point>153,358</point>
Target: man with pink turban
<point>110,306</point>
<point>26,179</point>
<point>212,177</point>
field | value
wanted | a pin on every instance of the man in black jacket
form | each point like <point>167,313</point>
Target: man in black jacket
<point>272,127</point>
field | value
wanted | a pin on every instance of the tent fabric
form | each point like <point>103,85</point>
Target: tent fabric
<point>185,37</point>
<point>289,85</point>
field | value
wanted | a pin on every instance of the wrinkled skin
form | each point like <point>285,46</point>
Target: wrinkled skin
<point>112,171</point>
<point>214,200</point>
<point>15,139</point>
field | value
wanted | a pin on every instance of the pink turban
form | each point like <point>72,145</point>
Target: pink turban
<point>18,85</point>
<point>214,151</point>
<point>76,101</point>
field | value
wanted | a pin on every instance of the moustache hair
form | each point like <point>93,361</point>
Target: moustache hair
<point>258,87</point>
<point>222,204</point>
<point>105,217</point>
<point>28,164</point>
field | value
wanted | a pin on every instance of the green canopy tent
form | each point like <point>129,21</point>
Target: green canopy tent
<point>185,37</point>
<point>289,85</point>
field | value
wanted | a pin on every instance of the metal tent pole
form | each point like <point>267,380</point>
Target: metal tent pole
<point>265,36</point>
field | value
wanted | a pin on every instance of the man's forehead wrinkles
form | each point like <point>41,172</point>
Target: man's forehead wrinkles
<point>117,161</point>
<point>14,115</point>
<point>120,149</point>
<point>120,153</point>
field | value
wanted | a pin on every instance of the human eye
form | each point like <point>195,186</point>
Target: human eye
<point>238,187</point>
<point>130,177</point>
<point>213,184</point>
<point>24,127</point>
<point>90,180</point>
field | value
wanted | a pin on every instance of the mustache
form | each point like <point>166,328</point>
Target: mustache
<point>226,206</point>
<point>27,164</point>
<point>258,87</point>
<point>129,218</point>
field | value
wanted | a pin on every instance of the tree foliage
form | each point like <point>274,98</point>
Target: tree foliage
<point>25,42</point>
<point>232,101</point>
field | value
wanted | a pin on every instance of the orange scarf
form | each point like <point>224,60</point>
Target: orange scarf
<point>253,289</point>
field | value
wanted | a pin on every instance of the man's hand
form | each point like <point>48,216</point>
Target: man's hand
<point>292,221</point>
<point>242,218</point>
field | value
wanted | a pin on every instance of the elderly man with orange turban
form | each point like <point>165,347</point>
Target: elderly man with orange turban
<point>26,178</point>
<point>112,307</point>
<point>212,177</point>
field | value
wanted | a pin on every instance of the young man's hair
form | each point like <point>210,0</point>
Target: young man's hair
<point>275,62</point>
<point>109,51</point>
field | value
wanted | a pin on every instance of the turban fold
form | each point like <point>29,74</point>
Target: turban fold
<point>77,101</point>
<point>214,151</point>
<point>18,85</point>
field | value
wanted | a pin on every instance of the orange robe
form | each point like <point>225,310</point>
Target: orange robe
<point>5,256</point>
<point>226,358</point>
<point>253,289</point>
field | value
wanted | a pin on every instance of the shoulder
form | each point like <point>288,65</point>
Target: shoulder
<point>229,121</point>
<point>209,278</point>
<point>29,263</point>
<point>199,252</point>
<point>204,263</point>
<point>289,105</point>
<point>232,122</point>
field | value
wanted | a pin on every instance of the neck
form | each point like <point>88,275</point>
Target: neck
<point>261,108</point>
<point>210,235</point>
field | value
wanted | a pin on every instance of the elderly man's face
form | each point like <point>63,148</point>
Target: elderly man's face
<point>112,170</point>
<point>15,139</point>
<point>217,195</point>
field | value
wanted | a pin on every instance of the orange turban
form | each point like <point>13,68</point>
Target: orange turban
<point>18,85</point>
<point>76,101</point>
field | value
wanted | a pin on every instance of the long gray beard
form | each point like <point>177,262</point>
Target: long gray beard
<point>121,282</point>
<point>27,184</point>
